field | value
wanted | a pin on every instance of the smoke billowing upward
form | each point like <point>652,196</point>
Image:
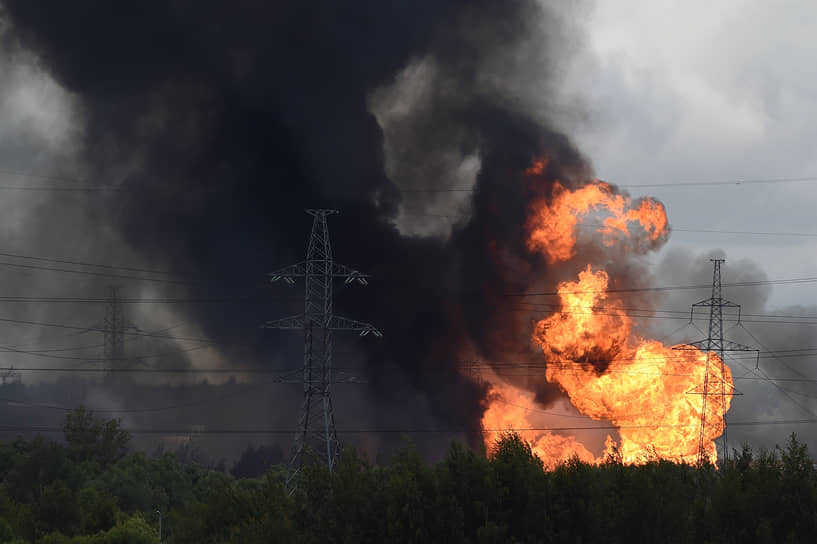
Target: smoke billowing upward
<point>219,124</point>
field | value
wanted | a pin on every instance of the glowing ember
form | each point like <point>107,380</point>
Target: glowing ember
<point>645,389</point>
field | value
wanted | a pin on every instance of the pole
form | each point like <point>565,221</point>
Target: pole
<point>159,512</point>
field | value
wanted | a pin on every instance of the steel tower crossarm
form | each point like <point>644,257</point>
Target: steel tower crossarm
<point>338,323</point>
<point>316,435</point>
<point>298,270</point>
<point>295,322</point>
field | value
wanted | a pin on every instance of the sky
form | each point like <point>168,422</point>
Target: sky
<point>708,92</point>
<point>696,91</point>
<point>651,93</point>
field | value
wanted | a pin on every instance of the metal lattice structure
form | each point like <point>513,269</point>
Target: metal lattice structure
<point>714,343</point>
<point>316,434</point>
<point>113,327</point>
<point>10,375</point>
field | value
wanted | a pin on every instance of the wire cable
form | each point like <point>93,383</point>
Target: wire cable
<point>273,431</point>
<point>209,400</point>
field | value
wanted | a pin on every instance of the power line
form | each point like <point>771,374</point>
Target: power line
<point>20,174</point>
<point>717,231</point>
<point>645,313</point>
<point>55,188</point>
<point>78,348</point>
<point>612,366</point>
<point>127,333</point>
<point>102,359</point>
<point>675,318</point>
<point>268,431</point>
<point>657,374</point>
<point>177,370</point>
<point>660,374</point>
<point>733,181</point>
<point>747,233</point>
<point>461,217</point>
<point>538,411</point>
<point>773,381</point>
<point>786,281</point>
<point>87,187</point>
<point>149,300</point>
<point>114,269</point>
<point>673,184</point>
<point>83,263</point>
<point>28,404</point>
<point>558,308</point>
<point>497,369</point>
<point>799,393</point>
<point>93,273</point>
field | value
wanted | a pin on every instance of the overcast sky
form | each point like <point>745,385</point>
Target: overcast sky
<point>702,91</point>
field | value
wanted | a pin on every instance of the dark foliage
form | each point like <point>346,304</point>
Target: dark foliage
<point>255,461</point>
<point>75,493</point>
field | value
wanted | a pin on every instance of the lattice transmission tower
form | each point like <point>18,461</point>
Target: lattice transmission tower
<point>114,326</point>
<point>316,432</point>
<point>714,343</point>
<point>9,375</point>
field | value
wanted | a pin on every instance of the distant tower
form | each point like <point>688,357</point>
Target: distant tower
<point>714,343</point>
<point>473,369</point>
<point>316,432</point>
<point>114,329</point>
<point>9,375</point>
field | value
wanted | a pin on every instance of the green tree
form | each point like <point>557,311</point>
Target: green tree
<point>517,496</point>
<point>799,502</point>
<point>410,498</point>
<point>57,509</point>
<point>98,511</point>
<point>91,438</point>
<point>6,532</point>
<point>131,530</point>
<point>465,490</point>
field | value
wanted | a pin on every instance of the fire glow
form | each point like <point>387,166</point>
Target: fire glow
<point>609,372</point>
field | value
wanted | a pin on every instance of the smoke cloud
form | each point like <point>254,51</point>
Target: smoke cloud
<point>210,128</point>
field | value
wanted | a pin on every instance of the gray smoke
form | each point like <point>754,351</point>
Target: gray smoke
<point>206,141</point>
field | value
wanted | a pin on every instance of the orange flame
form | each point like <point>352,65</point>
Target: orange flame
<point>512,409</point>
<point>649,392</point>
<point>553,226</point>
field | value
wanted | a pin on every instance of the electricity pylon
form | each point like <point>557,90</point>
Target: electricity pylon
<point>9,374</point>
<point>113,328</point>
<point>714,343</point>
<point>316,432</point>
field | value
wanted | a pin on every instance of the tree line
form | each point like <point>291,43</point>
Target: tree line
<point>89,489</point>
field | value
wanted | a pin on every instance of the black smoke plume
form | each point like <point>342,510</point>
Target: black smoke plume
<point>218,123</point>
